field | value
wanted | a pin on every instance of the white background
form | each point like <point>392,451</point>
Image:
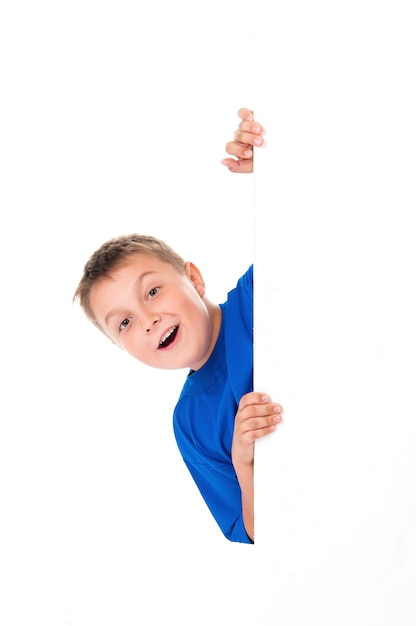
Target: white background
<point>114,119</point>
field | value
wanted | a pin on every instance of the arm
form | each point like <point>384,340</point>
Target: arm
<point>256,417</point>
<point>248,135</point>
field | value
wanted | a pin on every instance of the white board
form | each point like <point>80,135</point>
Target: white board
<point>335,338</point>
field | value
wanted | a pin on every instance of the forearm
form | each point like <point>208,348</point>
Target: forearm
<point>256,417</point>
<point>245,476</point>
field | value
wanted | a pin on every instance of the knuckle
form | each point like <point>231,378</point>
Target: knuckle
<point>257,423</point>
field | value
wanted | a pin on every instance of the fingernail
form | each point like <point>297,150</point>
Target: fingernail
<point>257,141</point>
<point>248,153</point>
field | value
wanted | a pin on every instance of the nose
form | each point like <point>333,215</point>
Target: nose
<point>151,323</point>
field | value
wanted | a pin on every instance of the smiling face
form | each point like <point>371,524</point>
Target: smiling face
<point>156,314</point>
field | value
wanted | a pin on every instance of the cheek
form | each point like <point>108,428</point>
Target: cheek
<point>196,309</point>
<point>136,350</point>
<point>187,302</point>
<point>201,324</point>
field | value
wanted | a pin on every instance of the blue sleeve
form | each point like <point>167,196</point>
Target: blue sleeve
<point>220,490</point>
<point>239,336</point>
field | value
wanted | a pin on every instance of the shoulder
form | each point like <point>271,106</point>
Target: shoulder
<point>245,282</point>
<point>248,278</point>
<point>239,335</point>
<point>240,307</point>
<point>244,287</point>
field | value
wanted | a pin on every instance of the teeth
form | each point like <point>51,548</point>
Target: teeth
<point>167,334</point>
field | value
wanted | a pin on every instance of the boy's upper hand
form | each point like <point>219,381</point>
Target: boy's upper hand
<point>248,135</point>
<point>256,417</point>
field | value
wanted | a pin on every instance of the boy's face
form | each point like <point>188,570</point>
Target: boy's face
<point>157,315</point>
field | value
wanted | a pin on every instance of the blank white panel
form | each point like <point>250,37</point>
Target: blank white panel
<point>335,338</point>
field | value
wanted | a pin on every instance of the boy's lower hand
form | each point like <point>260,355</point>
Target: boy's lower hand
<point>256,417</point>
<point>248,135</point>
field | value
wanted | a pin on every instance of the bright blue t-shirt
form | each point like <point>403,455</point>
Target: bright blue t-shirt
<point>204,416</point>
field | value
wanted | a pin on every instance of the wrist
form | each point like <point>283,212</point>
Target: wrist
<point>242,455</point>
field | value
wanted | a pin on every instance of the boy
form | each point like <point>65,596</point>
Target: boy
<point>151,303</point>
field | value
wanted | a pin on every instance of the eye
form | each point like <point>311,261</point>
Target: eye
<point>152,292</point>
<point>124,324</point>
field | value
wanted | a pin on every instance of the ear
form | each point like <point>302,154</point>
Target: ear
<point>195,276</point>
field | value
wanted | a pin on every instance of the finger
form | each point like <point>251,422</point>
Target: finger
<point>250,435</point>
<point>251,127</point>
<point>264,410</point>
<point>248,138</point>
<point>240,166</point>
<point>237,149</point>
<point>244,426</point>
<point>258,423</point>
<point>245,114</point>
<point>257,398</point>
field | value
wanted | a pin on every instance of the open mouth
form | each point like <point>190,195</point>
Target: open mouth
<point>168,337</point>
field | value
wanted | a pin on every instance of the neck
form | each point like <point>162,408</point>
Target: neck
<point>215,315</point>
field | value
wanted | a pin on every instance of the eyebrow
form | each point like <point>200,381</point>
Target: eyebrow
<point>138,282</point>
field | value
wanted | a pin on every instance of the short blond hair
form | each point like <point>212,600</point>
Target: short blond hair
<point>113,254</point>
